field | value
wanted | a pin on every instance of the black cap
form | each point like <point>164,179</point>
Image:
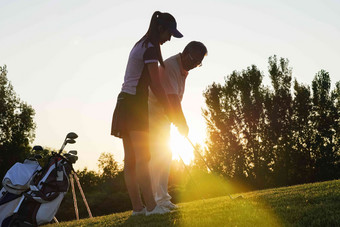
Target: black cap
<point>172,26</point>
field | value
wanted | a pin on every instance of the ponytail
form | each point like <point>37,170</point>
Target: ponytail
<point>155,17</point>
<point>153,36</point>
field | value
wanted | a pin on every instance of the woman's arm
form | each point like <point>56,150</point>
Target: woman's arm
<point>157,89</point>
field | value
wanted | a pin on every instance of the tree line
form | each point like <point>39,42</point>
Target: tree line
<point>264,136</point>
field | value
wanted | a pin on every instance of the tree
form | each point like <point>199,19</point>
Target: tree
<point>235,117</point>
<point>325,118</point>
<point>16,125</point>
<point>89,179</point>
<point>302,154</point>
<point>279,119</point>
<point>222,143</point>
<point>108,166</point>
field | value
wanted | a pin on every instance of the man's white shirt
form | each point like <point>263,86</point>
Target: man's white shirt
<point>172,78</point>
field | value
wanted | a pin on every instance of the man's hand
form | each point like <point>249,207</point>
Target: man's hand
<point>176,115</point>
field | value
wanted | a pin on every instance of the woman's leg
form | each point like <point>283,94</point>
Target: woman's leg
<point>130,175</point>
<point>140,144</point>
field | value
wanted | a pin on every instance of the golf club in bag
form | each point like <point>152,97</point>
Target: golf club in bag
<point>199,154</point>
<point>17,181</point>
<point>47,189</point>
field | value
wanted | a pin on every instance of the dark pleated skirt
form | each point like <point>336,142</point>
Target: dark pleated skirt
<point>130,114</point>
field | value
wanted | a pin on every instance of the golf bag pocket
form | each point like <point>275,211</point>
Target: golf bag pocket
<point>35,212</point>
<point>48,210</point>
<point>40,204</point>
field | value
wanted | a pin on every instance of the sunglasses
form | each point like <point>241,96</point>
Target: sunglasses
<point>195,62</point>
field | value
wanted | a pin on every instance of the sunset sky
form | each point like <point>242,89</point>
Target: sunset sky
<point>67,58</point>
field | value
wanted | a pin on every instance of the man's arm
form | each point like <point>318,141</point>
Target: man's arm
<point>169,75</point>
<point>178,115</point>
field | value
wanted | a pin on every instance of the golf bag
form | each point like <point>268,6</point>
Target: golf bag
<point>16,181</point>
<point>47,190</point>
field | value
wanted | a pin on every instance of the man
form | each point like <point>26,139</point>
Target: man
<point>172,78</point>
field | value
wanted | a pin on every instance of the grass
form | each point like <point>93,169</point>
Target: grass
<point>315,204</point>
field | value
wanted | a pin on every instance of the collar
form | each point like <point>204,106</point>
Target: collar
<point>179,60</point>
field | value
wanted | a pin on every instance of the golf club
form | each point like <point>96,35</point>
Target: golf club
<point>70,138</point>
<point>36,156</point>
<point>37,148</point>
<point>199,154</point>
<point>70,141</point>
<point>74,152</point>
<point>186,168</point>
<point>71,156</point>
<point>72,135</point>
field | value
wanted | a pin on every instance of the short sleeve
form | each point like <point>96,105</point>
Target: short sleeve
<point>168,79</point>
<point>150,55</point>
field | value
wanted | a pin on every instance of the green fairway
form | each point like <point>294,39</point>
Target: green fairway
<point>315,204</point>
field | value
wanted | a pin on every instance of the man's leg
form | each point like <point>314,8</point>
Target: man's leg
<point>161,156</point>
<point>154,109</point>
<point>165,160</point>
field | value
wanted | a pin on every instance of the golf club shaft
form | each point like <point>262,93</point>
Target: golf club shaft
<point>62,146</point>
<point>199,154</point>
<point>61,149</point>
<point>187,169</point>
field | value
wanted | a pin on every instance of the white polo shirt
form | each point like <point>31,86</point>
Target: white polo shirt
<point>172,78</point>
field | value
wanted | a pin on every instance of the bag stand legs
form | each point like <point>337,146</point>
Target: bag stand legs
<point>74,197</point>
<point>74,175</point>
<point>55,220</point>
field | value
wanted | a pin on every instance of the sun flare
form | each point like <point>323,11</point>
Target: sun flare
<point>180,147</point>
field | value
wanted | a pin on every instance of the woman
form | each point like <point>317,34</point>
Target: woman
<point>130,119</point>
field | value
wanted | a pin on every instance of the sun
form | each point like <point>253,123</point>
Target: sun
<point>180,147</point>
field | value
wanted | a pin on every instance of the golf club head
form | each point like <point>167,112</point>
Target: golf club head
<point>66,142</point>
<point>240,197</point>
<point>37,156</point>
<point>71,135</point>
<point>71,141</point>
<point>74,152</point>
<point>71,158</point>
<point>37,148</point>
